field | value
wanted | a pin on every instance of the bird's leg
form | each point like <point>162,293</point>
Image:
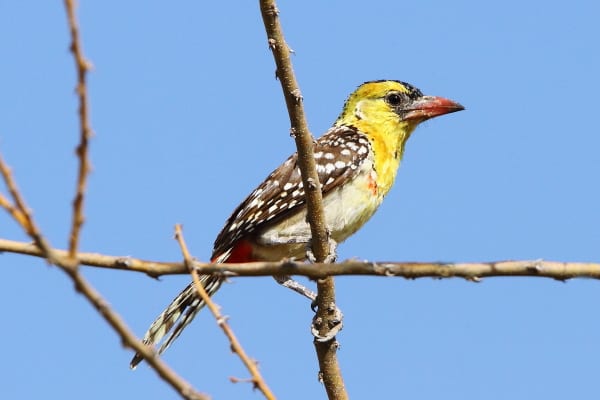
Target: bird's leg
<point>331,255</point>
<point>334,314</point>
<point>288,282</point>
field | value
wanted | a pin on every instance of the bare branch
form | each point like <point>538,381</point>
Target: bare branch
<point>126,263</point>
<point>67,264</point>
<point>21,214</point>
<point>236,347</point>
<point>70,267</point>
<point>129,339</point>
<point>12,210</point>
<point>82,66</point>
<point>299,129</point>
<point>411,270</point>
<point>326,351</point>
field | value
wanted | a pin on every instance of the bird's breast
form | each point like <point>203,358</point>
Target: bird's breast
<point>347,208</point>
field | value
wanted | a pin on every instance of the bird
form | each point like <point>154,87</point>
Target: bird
<point>357,160</point>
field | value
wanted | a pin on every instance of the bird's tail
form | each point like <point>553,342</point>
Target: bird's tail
<point>177,316</point>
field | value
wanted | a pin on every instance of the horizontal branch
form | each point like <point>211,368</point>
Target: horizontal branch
<point>411,270</point>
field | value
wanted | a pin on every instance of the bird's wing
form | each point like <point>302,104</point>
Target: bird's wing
<point>338,156</point>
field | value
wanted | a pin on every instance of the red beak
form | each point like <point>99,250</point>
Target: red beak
<point>429,107</point>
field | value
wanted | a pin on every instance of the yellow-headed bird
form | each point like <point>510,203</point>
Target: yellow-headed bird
<point>357,160</point>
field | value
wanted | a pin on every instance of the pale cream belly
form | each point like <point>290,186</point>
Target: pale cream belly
<point>347,208</point>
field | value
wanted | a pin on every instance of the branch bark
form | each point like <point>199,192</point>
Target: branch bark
<point>326,351</point>
<point>558,270</point>
<point>68,261</point>
<point>70,265</point>
<point>82,66</point>
<point>236,346</point>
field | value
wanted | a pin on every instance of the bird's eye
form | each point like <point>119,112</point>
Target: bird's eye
<point>393,99</point>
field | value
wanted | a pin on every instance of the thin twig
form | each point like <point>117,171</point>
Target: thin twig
<point>12,210</point>
<point>21,213</point>
<point>326,351</point>
<point>68,262</point>
<point>236,347</point>
<point>129,339</point>
<point>82,66</point>
<point>558,270</point>
<point>69,266</point>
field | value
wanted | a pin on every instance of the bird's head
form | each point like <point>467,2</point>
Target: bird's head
<point>387,112</point>
<point>393,104</point>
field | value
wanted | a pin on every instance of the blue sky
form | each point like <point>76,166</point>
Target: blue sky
<point>189,118</point>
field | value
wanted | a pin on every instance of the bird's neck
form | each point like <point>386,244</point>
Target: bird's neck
<point>388,137</point>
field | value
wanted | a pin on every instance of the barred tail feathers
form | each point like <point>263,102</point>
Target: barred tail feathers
<point>177,316</point>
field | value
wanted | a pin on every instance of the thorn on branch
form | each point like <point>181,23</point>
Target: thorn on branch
<point>320,377</point>
<point>123,262</point>
<point>385,270</point>
<point>312,185</point>
<point>297,95</point>
<point>533,268</point>
<point>272,10</point>
<point>536,267</point>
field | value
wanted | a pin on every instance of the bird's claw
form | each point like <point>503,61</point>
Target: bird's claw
<point>331,255</point>
<point>330,325</point>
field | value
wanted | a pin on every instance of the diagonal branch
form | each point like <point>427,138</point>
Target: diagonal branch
<point>68,262</point>
<point>70,267</point>
<point>82,66</point>
<point>299,129</point>
<point>129,339</point>
<point>326,351</point>
<point>21,214</point>
<point>236,347</point>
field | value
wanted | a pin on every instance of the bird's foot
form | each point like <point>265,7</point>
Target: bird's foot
<point>325,328</point>
<point>331,255</point>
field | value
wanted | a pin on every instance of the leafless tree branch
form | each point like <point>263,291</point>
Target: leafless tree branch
<point>70,267</point>
<point>236,346</point>
<point>326,350</point>
<point>475,271</point>
<point>82,66</point>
